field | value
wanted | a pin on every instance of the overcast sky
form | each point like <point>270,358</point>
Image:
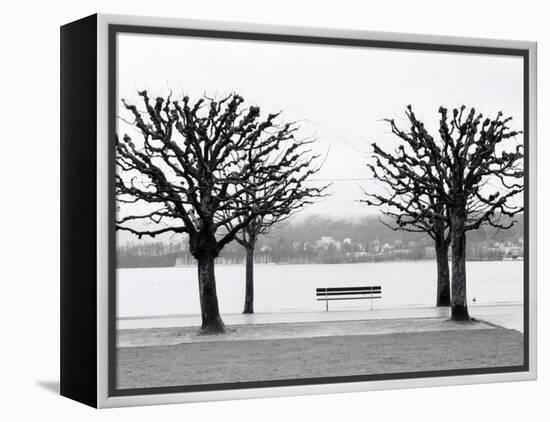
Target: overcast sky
<point>339,93</point>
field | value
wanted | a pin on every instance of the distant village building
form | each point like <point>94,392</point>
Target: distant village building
<point>386,248</point>
<point>513,252</point>
<point>325,241</point>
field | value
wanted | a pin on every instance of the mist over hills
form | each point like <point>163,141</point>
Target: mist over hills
<point>371,227</point>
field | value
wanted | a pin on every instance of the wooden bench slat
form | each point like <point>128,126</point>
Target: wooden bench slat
<point>370,292</point>
<point>349,298</point>
<point>348,289</point>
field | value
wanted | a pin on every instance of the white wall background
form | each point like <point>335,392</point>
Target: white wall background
<point>29,154</point>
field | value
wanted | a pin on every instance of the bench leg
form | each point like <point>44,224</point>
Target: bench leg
<point>326,305</point>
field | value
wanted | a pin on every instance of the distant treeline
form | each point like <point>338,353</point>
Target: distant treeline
<point>147,254</point>
<point>370,228</point>
<point>325,240</point>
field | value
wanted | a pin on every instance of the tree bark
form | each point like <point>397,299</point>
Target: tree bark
<point>459,304</point>
<point>249,289</point>
<point>443,274</point>
<point>211,320</point>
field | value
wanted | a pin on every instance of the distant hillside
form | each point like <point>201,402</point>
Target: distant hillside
<point>320,239</point>
<point>370,228</point>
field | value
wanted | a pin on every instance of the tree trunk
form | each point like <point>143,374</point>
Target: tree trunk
<point>459,304</point>
<point>443,275</point>
<point>211,320</point>
<point>249,289</point>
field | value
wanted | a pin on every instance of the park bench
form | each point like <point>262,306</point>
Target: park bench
<point>349,293</point>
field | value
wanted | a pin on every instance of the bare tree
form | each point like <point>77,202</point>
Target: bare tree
<point>483,173</point>
<point>293,164</point>
<point>411,206</point>
<point>187,171</point>
<point>473,174</point>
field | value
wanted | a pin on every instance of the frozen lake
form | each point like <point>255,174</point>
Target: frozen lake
<point>152,292</point>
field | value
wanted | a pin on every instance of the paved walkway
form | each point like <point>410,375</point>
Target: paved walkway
<point>183,329</point>
<point>504,315</point>
<point>293,330</point>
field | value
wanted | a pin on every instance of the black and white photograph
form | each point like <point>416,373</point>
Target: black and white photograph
<point>275,211</point>
<point>300,211</point>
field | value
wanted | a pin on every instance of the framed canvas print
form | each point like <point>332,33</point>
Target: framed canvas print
<point>252,210</point>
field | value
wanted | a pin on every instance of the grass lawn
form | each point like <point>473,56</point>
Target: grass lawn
<point>291,358</point>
